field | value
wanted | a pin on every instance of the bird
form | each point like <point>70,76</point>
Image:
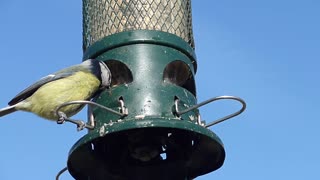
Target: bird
<point>78,82</point>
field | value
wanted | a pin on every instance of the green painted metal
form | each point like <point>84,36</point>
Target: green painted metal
<point>128,147</point>
<point>206,155</point>
<point>141,37</point>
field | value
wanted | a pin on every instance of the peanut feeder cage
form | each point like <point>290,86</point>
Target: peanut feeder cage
<point>152,127</point>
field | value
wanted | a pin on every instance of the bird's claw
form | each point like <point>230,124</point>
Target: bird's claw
<point>81,125</point>
<point>62,117</point>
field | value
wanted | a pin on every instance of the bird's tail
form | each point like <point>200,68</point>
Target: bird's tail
<point>7,110</point>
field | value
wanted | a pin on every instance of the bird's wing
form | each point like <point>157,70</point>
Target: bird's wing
<point>31,89</point>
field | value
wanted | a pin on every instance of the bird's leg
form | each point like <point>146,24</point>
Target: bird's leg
<point>63,117</point>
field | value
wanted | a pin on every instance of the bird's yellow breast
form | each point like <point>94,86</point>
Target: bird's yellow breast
<point>44,102</point>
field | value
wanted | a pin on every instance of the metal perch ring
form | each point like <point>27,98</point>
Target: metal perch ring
<point>81,125</point>
<point>61,172</point>
<point>211,100</point>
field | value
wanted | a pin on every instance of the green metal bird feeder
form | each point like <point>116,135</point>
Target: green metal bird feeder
<point>151,126</point>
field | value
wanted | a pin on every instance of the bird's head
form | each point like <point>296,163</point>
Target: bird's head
<point>100,70</point>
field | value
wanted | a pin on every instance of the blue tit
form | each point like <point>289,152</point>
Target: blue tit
<point>78,82</point>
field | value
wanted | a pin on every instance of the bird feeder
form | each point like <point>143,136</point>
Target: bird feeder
<point>154,130</point>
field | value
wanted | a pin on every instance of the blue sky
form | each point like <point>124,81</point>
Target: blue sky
<point>266,52</point>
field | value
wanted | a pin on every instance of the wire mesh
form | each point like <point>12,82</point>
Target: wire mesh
<point>106,17</point>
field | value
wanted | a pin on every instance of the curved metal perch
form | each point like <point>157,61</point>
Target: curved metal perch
<point>61,172</point>
<point>80,124</point>
<point>211,100</point>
